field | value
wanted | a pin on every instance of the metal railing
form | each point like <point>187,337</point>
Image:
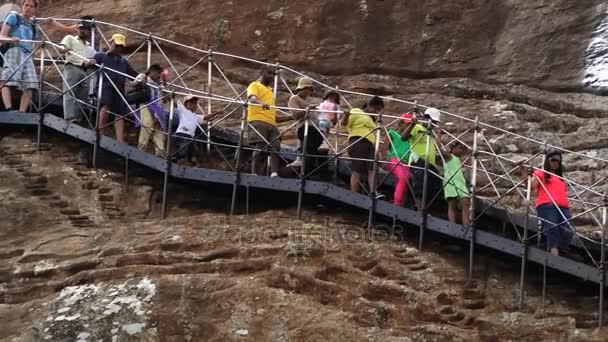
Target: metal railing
<point>489,170</point>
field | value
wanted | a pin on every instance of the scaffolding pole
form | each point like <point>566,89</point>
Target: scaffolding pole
<point>239,151</point>
<point>373,188</point>
<point>209,83</point>
<point>472,213</point>
<point>603,263</point>
<point>98,119</point>
<point>163,212</point>
<point>40,110</point>
<point>425,184</point>
<point>303,172</point>
<point>524,242</point>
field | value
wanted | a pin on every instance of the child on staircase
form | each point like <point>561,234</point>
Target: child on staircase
<point>328,116</point>
<point>455,185</point>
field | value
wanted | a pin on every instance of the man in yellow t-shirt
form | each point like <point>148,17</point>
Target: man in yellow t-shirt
<point>262,132</point>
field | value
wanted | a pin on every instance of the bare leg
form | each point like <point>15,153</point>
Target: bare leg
<point>555,251</point>
<point>119,125</point>
<point>371,181</point>
<point>465,202</point>
<point>452,211</point>
<point>275,162</point>
<point>418,203</point>
<point>257,163</point>
<point>355,182</point>
<point>26,98</point>
<point>104,118</point>
<point>7,98</point>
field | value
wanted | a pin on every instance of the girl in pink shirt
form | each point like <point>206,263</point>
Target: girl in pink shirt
<point>328,116</point>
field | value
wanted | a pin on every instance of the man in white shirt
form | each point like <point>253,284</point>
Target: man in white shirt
<point>189,123</point>
<point>77,51</point>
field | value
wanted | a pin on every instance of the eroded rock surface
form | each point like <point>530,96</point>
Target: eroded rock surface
<point>265,277</point>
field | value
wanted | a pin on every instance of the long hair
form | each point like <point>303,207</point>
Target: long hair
<point>547,166</point>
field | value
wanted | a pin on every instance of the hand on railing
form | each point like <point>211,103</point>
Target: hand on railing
<point>13,40</point>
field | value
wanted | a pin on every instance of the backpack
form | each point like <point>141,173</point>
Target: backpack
<point>140,93</point>
<point>4,47</point>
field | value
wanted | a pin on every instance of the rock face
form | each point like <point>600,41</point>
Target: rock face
<point>83,263</point>
<point>540,43</point>
<point>74,270</point>
<point>596,73</point>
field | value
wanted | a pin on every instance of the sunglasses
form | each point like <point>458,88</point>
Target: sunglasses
<point>555,160</point>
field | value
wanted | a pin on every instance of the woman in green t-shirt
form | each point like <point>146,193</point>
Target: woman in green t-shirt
<point>397,154</point>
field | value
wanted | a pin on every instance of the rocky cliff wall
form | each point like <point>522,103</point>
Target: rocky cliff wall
<point>540,43</point>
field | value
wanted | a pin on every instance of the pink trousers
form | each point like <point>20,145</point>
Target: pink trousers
<point>401,172</point>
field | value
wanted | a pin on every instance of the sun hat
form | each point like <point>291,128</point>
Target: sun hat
<point>433,113</point>
<point>304,83</point>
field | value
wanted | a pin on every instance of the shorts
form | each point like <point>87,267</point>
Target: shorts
<point>113,102</point>
<point>315,139</point>
<point>24,77</point>
<point>454,189</point>
<point>557,236</point>
<point>260,133</point>
<point>361,149</point>
<point>434,185</point>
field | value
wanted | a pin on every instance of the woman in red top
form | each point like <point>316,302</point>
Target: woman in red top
<point>552,203</point>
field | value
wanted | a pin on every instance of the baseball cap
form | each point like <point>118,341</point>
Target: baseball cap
<point>119,39</point>
<point>406,117</point>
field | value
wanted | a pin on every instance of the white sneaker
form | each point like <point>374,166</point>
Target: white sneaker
<point>297,162</point>
<point>274,174</point>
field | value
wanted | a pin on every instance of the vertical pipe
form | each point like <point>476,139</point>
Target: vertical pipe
<point>163,213</point>
<point>472,209</point>
<point>40,113</point>
<point>539,222</point>
<point>544,295</point>
<point>603,263</point>
<point>209,82</point>
<point>100,79</point>
<point>275,87</point>
<point>127,173</point>
<point>93,40</point>
<point>425,184</point>
<point>373,187</point>
<point>394,226</point>
<point>247,188</point>
<point>94,79</point>
<point>237,177</point>
<point>338,125</point>
<point>149,56</point>
<point>303,170</point>
<point>524,241</point>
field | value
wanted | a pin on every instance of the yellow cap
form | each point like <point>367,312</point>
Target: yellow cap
<point>119,39</point>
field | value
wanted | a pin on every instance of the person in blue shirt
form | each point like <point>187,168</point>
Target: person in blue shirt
<point>19,70</point>
<point>113,88</point>
<point>18,31</point>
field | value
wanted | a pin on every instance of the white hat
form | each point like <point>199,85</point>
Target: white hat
<point>189,98</point>
<point>433,113</point>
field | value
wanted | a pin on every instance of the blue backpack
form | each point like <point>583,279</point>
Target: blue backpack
<point>4,48</point>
